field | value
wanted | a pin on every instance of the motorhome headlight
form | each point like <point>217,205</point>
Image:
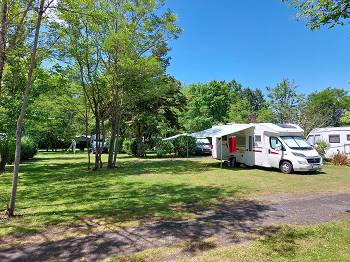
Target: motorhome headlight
<point>298,154</point>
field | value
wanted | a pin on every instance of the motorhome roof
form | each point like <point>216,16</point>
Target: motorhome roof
<point>282,128</point>
<point>330,129</point>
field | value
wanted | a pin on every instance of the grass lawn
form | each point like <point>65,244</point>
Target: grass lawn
<point>326,242</point>
<point>56,190</point>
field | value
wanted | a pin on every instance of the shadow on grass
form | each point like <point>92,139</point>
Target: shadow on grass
<point>224,220</point>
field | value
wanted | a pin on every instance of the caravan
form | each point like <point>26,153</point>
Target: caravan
<point>266,145</point>
<point>338,139</point>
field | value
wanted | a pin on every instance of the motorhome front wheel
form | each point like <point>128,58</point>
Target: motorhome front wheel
<point>286,167</point>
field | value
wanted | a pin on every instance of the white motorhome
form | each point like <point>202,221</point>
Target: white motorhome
<point>338,139</point>
<point>267,145</point>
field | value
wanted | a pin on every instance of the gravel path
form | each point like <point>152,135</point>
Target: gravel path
<point>245,217</point>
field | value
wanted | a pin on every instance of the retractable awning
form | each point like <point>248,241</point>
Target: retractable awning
<point>177,136</point>
<point>220,131</point>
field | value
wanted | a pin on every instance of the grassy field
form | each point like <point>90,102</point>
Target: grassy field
<point>326,242</point>
<point>56,190</point>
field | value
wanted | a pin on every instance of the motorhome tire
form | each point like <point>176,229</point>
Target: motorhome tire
<point>286,167</point>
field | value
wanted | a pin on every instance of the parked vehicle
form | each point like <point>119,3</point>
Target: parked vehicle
<point>266,145</point>
<point>338,139</point>
<point>102,144</point>
<point>203,146</point>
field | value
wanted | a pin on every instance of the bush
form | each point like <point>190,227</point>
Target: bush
<point>127,143</point>
<point>321,147</point>
<point>164,148</point>
<point>184,143</point>
<point>134,147</point>
<point>28,149</point>
<point>340,159</point>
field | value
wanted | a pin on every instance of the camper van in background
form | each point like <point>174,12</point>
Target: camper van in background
<point>267,145</point>
<point>338,139</point>
<point>103,146</point>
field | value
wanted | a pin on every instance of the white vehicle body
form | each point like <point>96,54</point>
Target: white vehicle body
<point>338,139</point>
<point>265,145</point>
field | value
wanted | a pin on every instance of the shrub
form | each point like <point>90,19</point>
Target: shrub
<point>134,147</point>
<point>164,148</point>
<point>184,143</point>
<point>321,147</point>
<point>127,146</point>
<point>29,148</point>
<point>340,159</point>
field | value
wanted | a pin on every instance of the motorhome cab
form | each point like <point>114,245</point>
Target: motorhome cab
<point>338,139</point>
<point>267,145</point>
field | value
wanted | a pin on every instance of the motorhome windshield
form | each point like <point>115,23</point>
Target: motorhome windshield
<point>296,142</point>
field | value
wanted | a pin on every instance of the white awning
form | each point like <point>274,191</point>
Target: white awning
<point>177,136</point>
<point>223,130</point>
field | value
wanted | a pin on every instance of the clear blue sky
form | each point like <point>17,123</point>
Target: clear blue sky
<point>257,43</point>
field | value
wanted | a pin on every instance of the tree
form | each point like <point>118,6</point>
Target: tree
<point>330,105</point>
<point>24,106</point>
<point>322,12</point>
<point>285,102</point>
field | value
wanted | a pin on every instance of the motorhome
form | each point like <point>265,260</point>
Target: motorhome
<point>267,145</point>
<point>338,139</point>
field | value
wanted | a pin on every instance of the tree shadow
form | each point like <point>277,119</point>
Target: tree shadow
<point>223,220</point>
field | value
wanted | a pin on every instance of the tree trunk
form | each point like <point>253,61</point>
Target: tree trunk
<point>20,120</point>
<point>112,144</point>
<point>98,136</point>
<point>3,39</point>
<point>116,149</point>
<point>87,131</point>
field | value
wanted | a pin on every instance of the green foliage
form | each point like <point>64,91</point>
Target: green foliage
<point>164,148</point>
<point>127,143</point>
<point>185,145</point>
<point>340,159</point>
<point>330,104</point>
<point>218,102</point>
<point>324,12</point>
<point>29,148</point>
<point>321,147</point>
<point>285,101</point>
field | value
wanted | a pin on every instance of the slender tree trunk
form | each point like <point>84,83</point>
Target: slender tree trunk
<point>20,120</point>
<point>3,31</point>
<point>116,149</point>
<point>87,131</point>
<point>97,134</point>
<point>112,142</point>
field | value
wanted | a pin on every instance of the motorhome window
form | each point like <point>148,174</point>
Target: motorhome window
<point>334,139</point>
<point>317,138</point>
<point>257,139</point>
<point>348,137</point>
<point>274,142</point>
<point>310,139</point>
<point>296,142</point>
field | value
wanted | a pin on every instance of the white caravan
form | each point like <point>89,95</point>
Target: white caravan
<point>267,145</point>
<point>338,139</point>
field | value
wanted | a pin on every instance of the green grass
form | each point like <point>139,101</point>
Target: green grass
<point>326,242</point>
<point>55,189</point>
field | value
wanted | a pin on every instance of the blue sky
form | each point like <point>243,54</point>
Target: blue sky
<point>257,43</point>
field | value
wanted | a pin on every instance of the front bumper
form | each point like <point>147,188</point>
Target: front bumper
<point>308,167</point>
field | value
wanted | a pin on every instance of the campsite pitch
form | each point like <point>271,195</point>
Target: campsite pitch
<point>168,209</point>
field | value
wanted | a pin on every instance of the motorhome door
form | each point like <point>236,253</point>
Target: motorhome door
<point>275,151</point>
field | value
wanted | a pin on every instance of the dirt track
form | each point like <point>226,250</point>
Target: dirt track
<point>245,217</point>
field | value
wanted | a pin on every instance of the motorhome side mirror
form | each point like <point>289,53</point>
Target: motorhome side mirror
<point>278,148</point>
